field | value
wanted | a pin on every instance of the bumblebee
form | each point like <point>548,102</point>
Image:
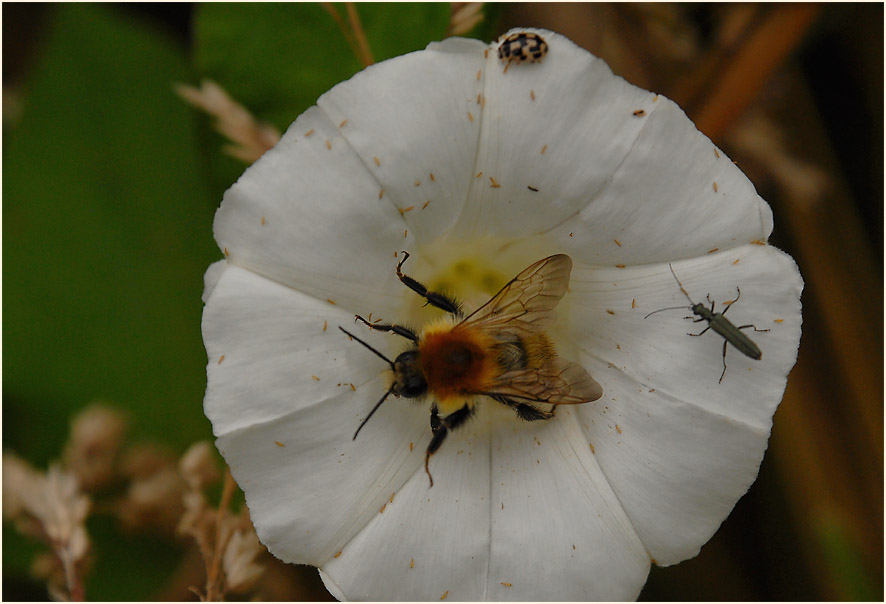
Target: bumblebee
<point>500,351</point>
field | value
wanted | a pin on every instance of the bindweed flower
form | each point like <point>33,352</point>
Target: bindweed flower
<point>478,171</point>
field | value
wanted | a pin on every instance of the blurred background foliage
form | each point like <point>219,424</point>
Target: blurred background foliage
<point>110,183</point>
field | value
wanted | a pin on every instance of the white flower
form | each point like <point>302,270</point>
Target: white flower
<point>478,172</point>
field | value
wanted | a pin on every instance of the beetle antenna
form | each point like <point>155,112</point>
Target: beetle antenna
<point>387,360</point>
<point>377,405</point>
<point>685,293</point>
<point>661,309</point>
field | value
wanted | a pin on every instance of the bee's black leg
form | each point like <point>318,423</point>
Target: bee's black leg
<point>397,329</point>
<point>441,427</point>
<point>524,411</point>
<point>441,301</point>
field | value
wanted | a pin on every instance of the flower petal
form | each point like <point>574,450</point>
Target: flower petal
<point>408,120</point>
<point>557,528</point>
<point>426,542</point>
<point>310,217</point>
<point>658,353</point>
<point>678,447</point>
<point>562,126</point>
<point>289,467</point>
<point>548,496</point>
<point>675,195</point>
<point>273,350</point>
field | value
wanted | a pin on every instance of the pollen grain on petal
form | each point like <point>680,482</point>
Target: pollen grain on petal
<point>532,94</point>
<point>325,323</point>
<point>331,301</point>
<point>619,266</point>
<point>593,451</point>
<point>736,261</point>
<point>478,174</point>
<point>343,122</point>
<point>376,160</point>
<point>633,303</point>
<point>431,176</point>
<point>412,563</point>
<point>716,153</point>
<point>470,116</point>
<point>404,210</point>
<point>610,311</point>
<point>617,242</point>
<point>446,593</point>
<point>712,250</point>
<point>381,193</point>
<point>220,359</point>
<point>309,133</point>
<point>506,584</point>
<point>495,183</point>
<point>543,149</point>
<point>417,183</point>
<point>353,388</point>
<point>328,144</point>
<point>758,242</point>
<point>480,73</point>
<point>382,509</point>
<point>639,113</point>
<point>617,428</point>
<point>279,444</point>
<point>715,186</point>
<point>338,554</point>
<point>315,378</point>
<point>425,204</point>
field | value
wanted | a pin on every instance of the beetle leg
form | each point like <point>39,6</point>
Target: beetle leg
<point>724,360</point>
<point>755,328</point>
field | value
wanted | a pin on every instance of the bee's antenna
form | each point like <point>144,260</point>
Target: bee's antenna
<point>387,360</point>
<point>377,405</point>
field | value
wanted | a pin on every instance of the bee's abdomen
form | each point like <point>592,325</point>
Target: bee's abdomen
<point>511,356</point>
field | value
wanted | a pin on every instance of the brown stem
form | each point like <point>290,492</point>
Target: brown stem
<point>344,29</point>
<point>214,578</point>
<point>359,35</point>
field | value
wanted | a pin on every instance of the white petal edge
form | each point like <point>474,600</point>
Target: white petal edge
<point>408,120</point>
<point>299,214</point>
<point>547,493</point>
<point>273,350</point>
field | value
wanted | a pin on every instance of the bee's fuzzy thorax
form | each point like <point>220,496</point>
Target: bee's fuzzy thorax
<point>456,362</point>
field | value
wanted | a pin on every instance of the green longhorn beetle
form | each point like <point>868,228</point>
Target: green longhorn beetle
<point>719,323</point>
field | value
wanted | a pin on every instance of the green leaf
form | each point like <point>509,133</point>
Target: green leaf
<point>276,59</point>
<point>106,235</point>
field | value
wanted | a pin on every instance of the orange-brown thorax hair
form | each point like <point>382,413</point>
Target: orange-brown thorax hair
<point>456,361</point>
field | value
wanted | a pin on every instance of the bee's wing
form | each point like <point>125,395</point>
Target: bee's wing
<point>528,300</point>
<point>559,382</point>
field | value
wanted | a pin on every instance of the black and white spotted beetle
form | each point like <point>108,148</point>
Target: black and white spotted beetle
<point>522,47</point>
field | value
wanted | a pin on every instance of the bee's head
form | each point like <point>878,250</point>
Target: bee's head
<point>409,381</point>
